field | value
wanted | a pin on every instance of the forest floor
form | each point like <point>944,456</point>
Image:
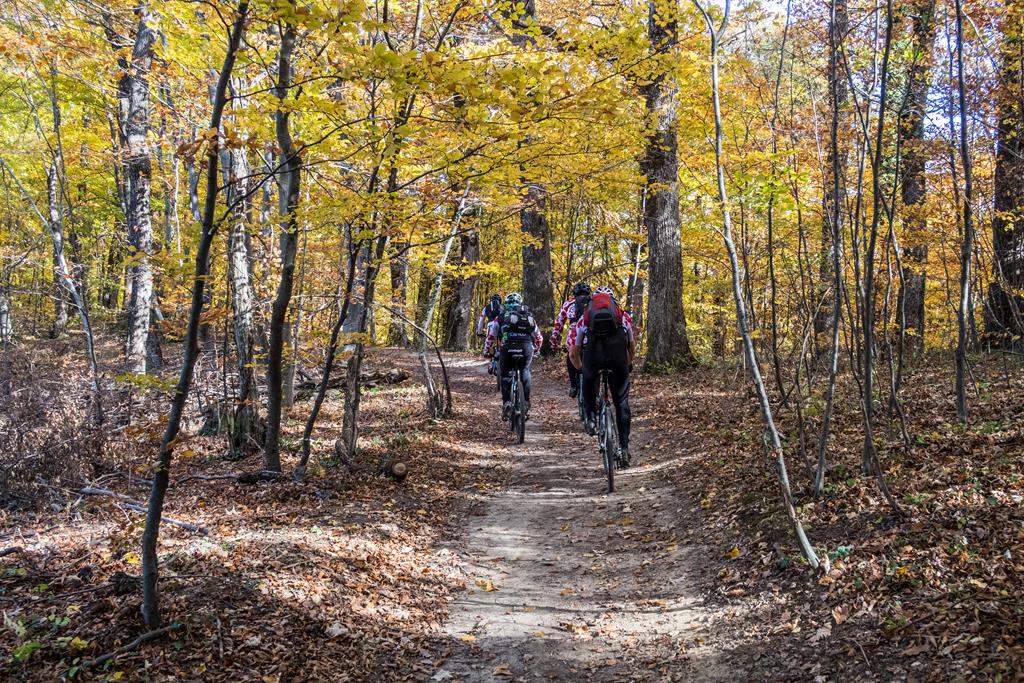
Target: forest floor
<point>493,561</point>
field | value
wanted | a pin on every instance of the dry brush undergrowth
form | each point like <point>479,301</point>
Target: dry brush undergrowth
<point>934,595</point>
<point>337,577</point>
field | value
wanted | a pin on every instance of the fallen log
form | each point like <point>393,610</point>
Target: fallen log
<point>126,503</point>
<point>373,378</point>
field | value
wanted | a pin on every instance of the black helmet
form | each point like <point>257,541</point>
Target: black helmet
<point>496,297</point>
<point>581,289</point>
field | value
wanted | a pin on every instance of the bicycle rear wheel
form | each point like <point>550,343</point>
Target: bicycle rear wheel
<point>607,444</point>
<point>579,399</point>
<point>519,411</point>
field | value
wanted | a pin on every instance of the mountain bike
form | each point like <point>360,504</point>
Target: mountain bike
<point>607,432</point>
<point>517,420</point>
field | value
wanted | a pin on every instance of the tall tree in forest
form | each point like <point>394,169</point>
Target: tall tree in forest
<point>869,453</point>
<point>833,222</point>
<point>773,439</point>
<point>667,341</point>
<point>162,473</point>
<point>245,426</point>
<point>460,314</point>
<point>538,282</point>
<point>56,216</point>
<point>398,332</point>
<point>133,96</point>
<point>964,309</point>
<point>288,178</point>
<point>912,172</point>
<point>834,190</point>
<point>538,286</point>
<point>1006,303</point>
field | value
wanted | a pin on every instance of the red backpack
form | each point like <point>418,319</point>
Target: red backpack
<point>603,316</point>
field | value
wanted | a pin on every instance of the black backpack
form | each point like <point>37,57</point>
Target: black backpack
<point>492,310</point>
<point>582,301</point>
<point>517,324</point>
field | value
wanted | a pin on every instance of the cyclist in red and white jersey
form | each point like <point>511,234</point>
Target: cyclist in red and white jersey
<point>603,339</point>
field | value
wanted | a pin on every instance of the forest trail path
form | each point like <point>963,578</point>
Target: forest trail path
<point>566,582</point>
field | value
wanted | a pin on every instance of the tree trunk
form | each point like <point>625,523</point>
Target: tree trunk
<point>161,475</point>
<point>834,195</point>
<point>538,288</point>
<point>60,295</point>
<point>910,310</point>
<point>133,92</point>
<point>667,342</point>
<point>398,333</point>
<point>6,326</point>
<point>637,282</point>
<point>245,432</point>
<point>349,440</point>
<point>289,182</point>
<point>834,223</point>
<point>1006,315</point>
<point>424,289</point>
<point>460,321</point>
<point>965,309</point>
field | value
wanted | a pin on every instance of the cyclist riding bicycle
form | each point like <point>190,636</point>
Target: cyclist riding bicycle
<point>602,340</point>
<point>571,311</point>
<point>515,337</point>
<point>489,313</point>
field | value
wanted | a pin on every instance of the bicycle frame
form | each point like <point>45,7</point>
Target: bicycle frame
<point>517,420</point>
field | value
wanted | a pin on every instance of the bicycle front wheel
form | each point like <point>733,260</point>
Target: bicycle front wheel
<point>519,413</point>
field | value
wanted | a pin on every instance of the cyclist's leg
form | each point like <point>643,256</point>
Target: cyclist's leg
<point>618,385</point>
<point>573,376</point>
<point>505,368</point>
<point>591,383</point>
<point>525,364</point>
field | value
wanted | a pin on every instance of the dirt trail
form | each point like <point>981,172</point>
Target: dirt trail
<point>565,582</point>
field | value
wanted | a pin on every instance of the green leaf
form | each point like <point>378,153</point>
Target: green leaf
<point>25,650</point>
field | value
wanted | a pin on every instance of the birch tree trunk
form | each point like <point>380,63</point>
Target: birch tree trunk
<point>245,431</point>
<point>667,342</point>
<point>60,294</point>
<point>6,326</point>
<point>133,92</point>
